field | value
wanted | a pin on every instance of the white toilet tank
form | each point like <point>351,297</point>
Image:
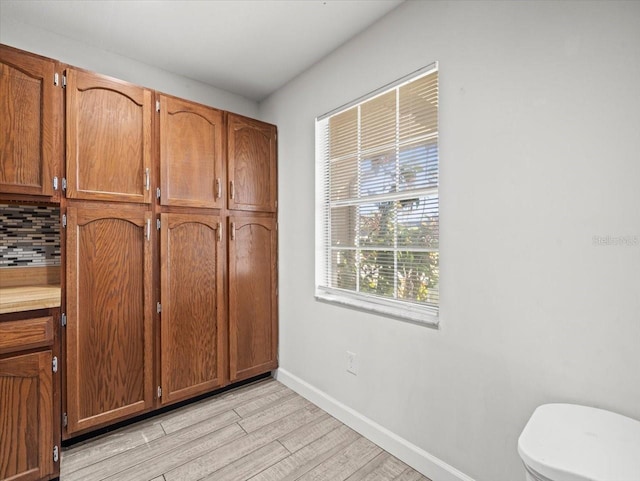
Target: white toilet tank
<point>568,442</point>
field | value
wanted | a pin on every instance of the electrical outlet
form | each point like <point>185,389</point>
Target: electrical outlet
<point>352,364</point>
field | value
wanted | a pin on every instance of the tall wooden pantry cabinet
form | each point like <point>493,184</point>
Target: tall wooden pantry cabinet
<point>109,271</point>
<point>252,252</point>
<point>172,247</point>
<point>193,332</point>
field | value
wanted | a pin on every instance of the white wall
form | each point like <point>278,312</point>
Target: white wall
<point>540,152</point>
<point>32,39</point>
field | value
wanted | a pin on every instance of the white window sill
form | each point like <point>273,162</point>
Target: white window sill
<point>400,310</point>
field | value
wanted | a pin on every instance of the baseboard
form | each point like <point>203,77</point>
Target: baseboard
<point>420,460</point>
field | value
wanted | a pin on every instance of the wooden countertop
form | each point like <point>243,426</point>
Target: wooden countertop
<point>27,298</point>
<point>29,288</point>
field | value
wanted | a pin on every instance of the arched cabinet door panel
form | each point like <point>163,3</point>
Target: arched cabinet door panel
<point>191,141</point>
<point>193,331</point>
<point>253,306</point>
<point>252,164</point>
<point>108,139</point>
<point>29,123</point>
<point>26,407</point>
<point>109,314</point>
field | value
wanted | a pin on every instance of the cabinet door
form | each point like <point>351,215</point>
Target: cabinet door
<point>193,335</point>
<point>26,417</point>
<point>108,139</point>
<point>252,165</point>
<point>190,154</point>
<point>109,316</point>
<point>27,125</point>
<point>253,324</point>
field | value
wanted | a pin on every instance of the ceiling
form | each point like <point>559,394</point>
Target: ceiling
<point>248,47</point>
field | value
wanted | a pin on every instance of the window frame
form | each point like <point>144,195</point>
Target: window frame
<point>420,313</point>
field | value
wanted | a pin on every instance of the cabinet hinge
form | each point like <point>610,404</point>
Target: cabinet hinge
<point>65,420</point>
<point>159,392</point>
<point>64,220</point>
<point>64,183</point>
<point>54,364</point>
<point>55,454</point>
<point>63,320</point>
<point>158,307</point>
<point>56,77</point>
<point>55,183</point>
<point>157,106</point>
<point>158,224</point>
<point>158,193</point>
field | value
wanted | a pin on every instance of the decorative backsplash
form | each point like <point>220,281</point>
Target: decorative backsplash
<point>29,236</point>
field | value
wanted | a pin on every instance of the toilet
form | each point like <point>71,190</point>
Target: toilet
<point>568,442</point>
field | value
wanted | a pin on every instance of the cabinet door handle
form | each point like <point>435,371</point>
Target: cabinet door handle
<point>219,232</point>
<point>218,188</point>
<point>148,230</point>
<point>232,192</point>
<point>233,230</point>
<point>147,178</point>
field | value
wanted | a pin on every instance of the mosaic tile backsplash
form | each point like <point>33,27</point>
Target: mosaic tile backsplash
<point>29,236</point>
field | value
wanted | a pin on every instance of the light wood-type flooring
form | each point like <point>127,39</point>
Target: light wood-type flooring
<point>260,432</point>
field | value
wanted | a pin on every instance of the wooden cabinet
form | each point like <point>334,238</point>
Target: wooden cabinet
<point>190,166</point>
<point>29,123</point>
<point>109,314</point>
<point>191,141</point>
<point>26,400</point>
<point>26,411</point>
<point>216,171</point>
<point>253,309</point>
<point>251,164</point>
<point>193,332</point>
<point>252,247</point>
<point>108,139</point>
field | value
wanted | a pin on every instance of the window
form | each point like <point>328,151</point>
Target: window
<point>377,201</point>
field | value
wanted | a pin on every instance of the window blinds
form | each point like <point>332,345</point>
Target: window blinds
<point>377,192</point>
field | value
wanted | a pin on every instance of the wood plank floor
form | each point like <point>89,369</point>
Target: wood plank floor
<point>260,432</point>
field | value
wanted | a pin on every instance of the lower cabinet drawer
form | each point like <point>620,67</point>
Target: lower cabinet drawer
<point>26,334</point>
